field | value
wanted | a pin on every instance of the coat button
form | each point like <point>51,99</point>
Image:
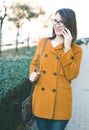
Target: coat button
<point>42,89</point>
<point>54,90</point>
<point>55,74</point>
<point>45,55</point>
<point>57,57</point>
<point>72,57</point>
<point>43,71</point>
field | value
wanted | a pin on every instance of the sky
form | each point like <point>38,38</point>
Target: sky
<point>81,8</point>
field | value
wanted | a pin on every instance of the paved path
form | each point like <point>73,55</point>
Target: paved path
<point>80,116</point>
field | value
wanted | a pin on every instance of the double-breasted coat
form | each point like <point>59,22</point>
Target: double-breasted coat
<point>52,97</point>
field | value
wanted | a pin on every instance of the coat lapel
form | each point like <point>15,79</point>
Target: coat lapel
<point>51,49</point>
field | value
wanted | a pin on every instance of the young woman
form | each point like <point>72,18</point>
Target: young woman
<point>59,64</point>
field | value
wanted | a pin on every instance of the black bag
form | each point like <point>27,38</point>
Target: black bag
<point>27,103</point>
<point>27,108</point>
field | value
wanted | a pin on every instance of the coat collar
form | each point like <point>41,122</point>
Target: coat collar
<point>51,49</point>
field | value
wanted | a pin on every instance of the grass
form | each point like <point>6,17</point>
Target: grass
<point>20,53</point>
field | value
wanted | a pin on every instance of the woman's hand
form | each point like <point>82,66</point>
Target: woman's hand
<point>67,38</point>
<point>34,76</point>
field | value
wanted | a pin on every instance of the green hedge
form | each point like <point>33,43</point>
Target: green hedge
<point>12,72</point>
<point>10,106</point>
<point>14,86</point>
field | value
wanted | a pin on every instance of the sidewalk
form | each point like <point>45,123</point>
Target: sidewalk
<point>80,116</point>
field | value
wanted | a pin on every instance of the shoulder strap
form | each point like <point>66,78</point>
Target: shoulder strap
<point>37,68</point>
<point>44,44</point>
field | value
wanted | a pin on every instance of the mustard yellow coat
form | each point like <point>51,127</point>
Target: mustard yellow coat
<point>52,97</point>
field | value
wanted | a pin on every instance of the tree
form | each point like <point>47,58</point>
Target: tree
<point>3,14</point>
<point>22,11</point>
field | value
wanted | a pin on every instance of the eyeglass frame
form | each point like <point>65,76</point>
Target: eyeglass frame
<point>60,23</point>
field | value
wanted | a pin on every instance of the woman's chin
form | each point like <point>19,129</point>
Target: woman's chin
<point>58,33</point>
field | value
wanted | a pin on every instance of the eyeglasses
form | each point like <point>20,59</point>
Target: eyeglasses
<point>55,22</point>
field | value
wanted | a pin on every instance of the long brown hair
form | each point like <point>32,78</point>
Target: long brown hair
<point>69,19</point>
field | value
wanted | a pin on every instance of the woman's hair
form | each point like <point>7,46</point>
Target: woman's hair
<point>69,19</point>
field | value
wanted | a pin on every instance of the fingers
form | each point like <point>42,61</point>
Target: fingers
<point>34,76</point>
<point>66,32</point>
<point>67,38</point>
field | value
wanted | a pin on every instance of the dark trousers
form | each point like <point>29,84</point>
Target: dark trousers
<point>46,124</point>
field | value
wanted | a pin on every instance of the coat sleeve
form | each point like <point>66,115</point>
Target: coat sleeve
<point>71,62</point>
<point>36,56</point>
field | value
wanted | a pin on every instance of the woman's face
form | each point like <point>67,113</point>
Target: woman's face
<point>58,24</point>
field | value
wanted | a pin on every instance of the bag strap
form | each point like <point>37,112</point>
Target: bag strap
<point>37,68</point>
<point>38,64</point>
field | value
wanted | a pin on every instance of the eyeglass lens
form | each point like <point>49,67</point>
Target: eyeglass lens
<point>55,22</point>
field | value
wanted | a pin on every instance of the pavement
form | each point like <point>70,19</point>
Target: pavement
<point>80,87</point>
<point>80,116</point>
